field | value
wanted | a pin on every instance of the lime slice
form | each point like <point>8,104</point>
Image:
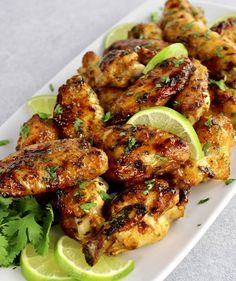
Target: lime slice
<point>71,259</point>
<point>171,121</point>
<point>175,50</point>
<point>41,268</point>
<point>42,104</point>
<point>119,32</point>
<point>222,18</point>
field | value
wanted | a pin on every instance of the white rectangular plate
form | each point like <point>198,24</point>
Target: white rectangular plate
<point>153,262</point>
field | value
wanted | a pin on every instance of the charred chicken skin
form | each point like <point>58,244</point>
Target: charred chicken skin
<point>226,28</point>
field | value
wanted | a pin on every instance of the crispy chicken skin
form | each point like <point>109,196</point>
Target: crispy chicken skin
<point>194,100</point>
<point>226,28</point>
<point>148,30</point>
<point>40,131</point>
<point>50,166</point>
<point>140,215</point>
<point>77,221</point>
<point>153,89</point>
<point>145,48</point>
<point>217,53</point>
<point>217,137</point>
<point>138,153</point>
<point>117,68</point>
<point>77,111</point>
<point>223,101</point>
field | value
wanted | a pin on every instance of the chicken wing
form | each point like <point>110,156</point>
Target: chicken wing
<point>194,100</point>
<point>118,68</point>
<point>46,167</point>
<point>140,215</point>
<point>155,88</point>
<point>226,28</point>
<point>217,53</point>
<point>77,111</point>
<point>148,30</point>
<point>37,130</point>
<point>81,208</point>
<point>138,153</point>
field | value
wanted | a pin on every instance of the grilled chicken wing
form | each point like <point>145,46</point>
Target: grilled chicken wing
<point>155,88</point>
<point>138,153</point>
<point>145,48</point>
<point>194,100</point>
<point>81,208</point>
<point>226,28</point>
<point>77,111</point>
<point>37,130</point>
<point>148,30</point>
<point>140,215</point>
<point>117,68</point>
<point>214,51</point>
<point>46,167</point>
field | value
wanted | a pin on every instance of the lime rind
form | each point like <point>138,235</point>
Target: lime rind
<point>107,268</point>
<point>171,121</point>
<point>222,18</point>
<point>42,104</point>
<point>176,50</point>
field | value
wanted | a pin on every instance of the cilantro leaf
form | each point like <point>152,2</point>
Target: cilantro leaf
<point>24,131</point>
<point>4,142</point>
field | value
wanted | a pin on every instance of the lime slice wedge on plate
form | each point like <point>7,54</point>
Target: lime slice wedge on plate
<point>176,50</point>
<point>71,259</point>
<point>41,268</point>
<point>119,32</point>
<point>171,121</point>
<point>222,18</point>
<point>42,104</point>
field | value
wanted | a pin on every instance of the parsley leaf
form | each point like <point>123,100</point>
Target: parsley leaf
<point>105,196</point>
<point>209,123</point>
<point>202,201</point>
<point>154,17</point>
<point>107,116</point>
<point>24,131</point>
<point>131,143</point>
<point>87,206</point>
<point>4,142</point>
<point>229,181</point>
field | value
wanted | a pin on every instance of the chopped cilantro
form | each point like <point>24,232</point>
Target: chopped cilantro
<point>209,123</point>
<point>87,206</point>
<point>154,17</point>
<point>159,157</point>
<point>82,183</point>
<point>52,171</point>
<point>104,195</point>
<point>176,103</point>
<point>165,79</point>
<point>188,26</point>
<point>202,201</point>
<point>24,131</point>
<point>4,142</point>
<point>78,193</point>
<point>229,181</point>
<point>218,51</point>
<point>158,85</point>
<point>122,134</point>
<point>77,125</point>
<point>131,143</point>
<point>107,116</point>
<point>149,185</point>
<point>44,116</point>
<point>58,109</point>
<point>205,148</point>
<point>207,35</point>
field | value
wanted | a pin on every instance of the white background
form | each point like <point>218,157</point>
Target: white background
<point>38,38</point>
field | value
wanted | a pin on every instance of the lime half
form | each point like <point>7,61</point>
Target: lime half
<point>71,259</point>
<point>119,32</point>
<point>222,18</point>
<point>41,268</point>
<point>42,104</point>
<point>176,50</point>
<point>171,121</point>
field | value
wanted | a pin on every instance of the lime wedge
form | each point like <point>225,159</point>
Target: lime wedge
<point>222,18</point>
<point>71,259</point>
<point>41,268</point>
<point>171,121</point>
<point>175,50</point>
<point>119,32</point>
<point>42,104</point>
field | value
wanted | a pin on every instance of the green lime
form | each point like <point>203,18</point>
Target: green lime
<point>41,268</point>
<point>171,121</point>
<point>71,259</point>
<point>42,104</point>
<point>222,18</point>
<point>176,50</point>
<point>119,32</point>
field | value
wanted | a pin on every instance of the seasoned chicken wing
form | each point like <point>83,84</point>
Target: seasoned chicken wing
<point>77,111</point>
<point>81,208</point>
<point>138,153</point>
<point>37,130</point>
<point>50,166</point>
<point>194,100</point>
<point>217,53</point>
<point>155,88</point>
<point>226,28</point>
<point>148,30</point>
<point>140,215</point>
<point>118,68</point>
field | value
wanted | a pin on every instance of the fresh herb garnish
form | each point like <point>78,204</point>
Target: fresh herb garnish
<point>159,157</point>
<point>165,79</point>
<point>24,131</point>
<point>77,125</point>
<point>188,26</point>
<point>218,51</point>
<point>78,193</point>
<point>52,171</point>
<point>202,201</point>
<point>87,206</point>
<point>221,85</point>
<point>23,221</point>
<point>44,116</point>
<point>154,17</point>
<point>176,103</point>
<point>209,123</point>
<point>4,142</point>
<point>129,94</point>
<point>105,196</point>
<point>178,62</point>
<point>82,183</point>
<point>207,35</point>
<point>205,148</point>
<point>229,181</point>
<point>158,85</point>
<point>58,109</point>
<point>122,134</point>
<point>107,116</point>
<point>131,143</point>
<point>51,87</point>
<point>149,185</point>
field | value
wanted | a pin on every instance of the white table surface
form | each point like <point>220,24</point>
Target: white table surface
<point>38,38</point>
